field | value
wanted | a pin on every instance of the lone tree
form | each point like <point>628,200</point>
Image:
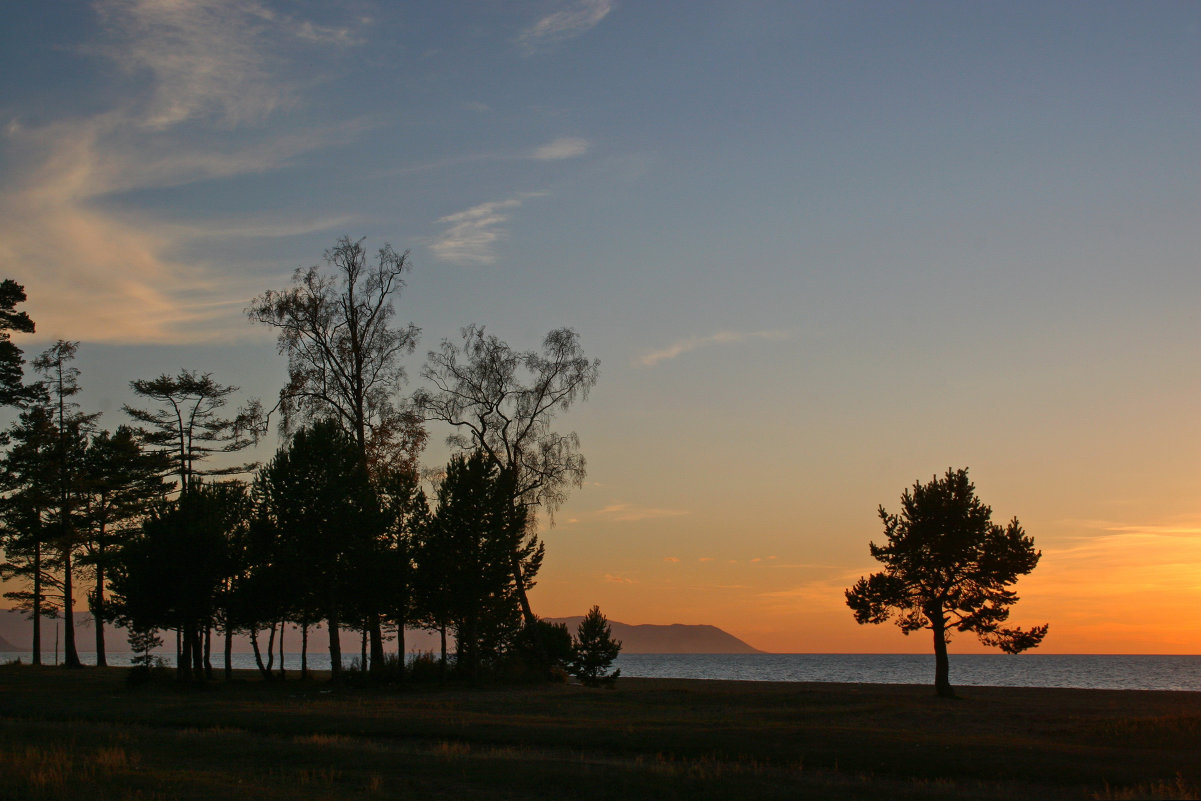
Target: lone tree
<point>948,566</point>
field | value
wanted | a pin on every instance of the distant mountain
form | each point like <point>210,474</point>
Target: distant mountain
<point>16,634</point>
<point>677,638</point>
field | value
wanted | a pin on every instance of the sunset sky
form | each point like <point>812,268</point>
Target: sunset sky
<point>822,250</point>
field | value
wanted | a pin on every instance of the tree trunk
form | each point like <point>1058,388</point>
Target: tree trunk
<point>335,647</point>
<point>942,665</point>
<point>70,655</point>
<point>98,617</point>
<point>281,649</point>
<point>197,652</point>
<point>258,655</point>
<point>37,603</point>
<point>442,664</point>
<point>208,651</point>
<point>229,653</point>
<point>183,645</point>
<point>363,650</point>
<point>400,650</point>
<point>377,642</point>
<point>304,651</point>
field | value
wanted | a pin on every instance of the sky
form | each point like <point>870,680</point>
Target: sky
<point>822,250</point>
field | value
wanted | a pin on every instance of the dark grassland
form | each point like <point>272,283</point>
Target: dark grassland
<point>84,734</point>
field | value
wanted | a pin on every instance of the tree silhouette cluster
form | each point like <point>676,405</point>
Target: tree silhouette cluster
<point>336,528</point>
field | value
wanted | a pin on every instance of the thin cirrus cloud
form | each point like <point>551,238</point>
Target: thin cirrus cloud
<point>680,347</point>
<point>208,57</point>
<point>117,276</point>
<point>471,235</point>
<point>575,19</point>
<point>629,513</point>
<point>567,147</point>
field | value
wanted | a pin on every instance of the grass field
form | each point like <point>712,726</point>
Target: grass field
<point>85,735</point>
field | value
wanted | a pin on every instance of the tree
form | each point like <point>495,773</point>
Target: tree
<point>121,482</point>
<point>60,383</point>
<point>595,649</point>
<point>187,425</point>
<point>317,519</point>
<point>502,403</point>
<point>29,482</point>
<point>343,352</point>
<point>948,566</point>
<point>12,391</point>
<point>472,538</point>
<point>344,359</point>
<point>172,574</point>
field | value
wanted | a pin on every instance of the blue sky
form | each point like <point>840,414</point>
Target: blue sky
<point>822,250</point>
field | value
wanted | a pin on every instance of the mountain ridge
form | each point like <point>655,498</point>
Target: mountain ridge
<point>637,638</point>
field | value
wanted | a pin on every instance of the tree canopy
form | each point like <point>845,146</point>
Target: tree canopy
<point>344,354</point>
<point>947,566</point>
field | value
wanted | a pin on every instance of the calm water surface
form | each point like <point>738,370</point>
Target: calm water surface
<point>1106,672</point>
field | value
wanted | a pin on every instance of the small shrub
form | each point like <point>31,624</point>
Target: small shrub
<point>425,666</point>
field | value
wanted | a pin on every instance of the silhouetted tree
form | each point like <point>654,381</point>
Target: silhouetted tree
<point>171,576</point>
<point>61,383</point>
<point>476,532</point>
<point>502,403</point>
<point>405,517</point>
<point>29,495</point>
<point>187,424</point>
<point>595,649</point>
<point>948,566</point>
<point>317,507</point>
<point>12,391</point>
<point>344,359</point>
<point>121,483</point>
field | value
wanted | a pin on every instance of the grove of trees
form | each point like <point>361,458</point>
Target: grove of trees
<point>169,532</point>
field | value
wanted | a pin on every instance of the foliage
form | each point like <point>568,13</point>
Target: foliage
<point>122,481</point>
<point>29,495</point>
<point>471,543</point>
<point>186,424</point>
<point>172,575</point>
<point>344,354</point>
<point>594,651</point>
<point>317,522</point>
<point>60,383</point>
<point>948,566</point>
<point>12,391</point>
<point>544,648</point>
<point>501,403</point>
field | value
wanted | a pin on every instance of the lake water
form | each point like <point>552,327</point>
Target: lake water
<point>1106,672</point>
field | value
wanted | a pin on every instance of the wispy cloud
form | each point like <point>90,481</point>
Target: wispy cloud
<point>471,235</point>
<point>207,57</point>
<point>567,147</point>
<point>116,275</point>
<point>628,513</point>
<point>612,579</point>
<point>578,17</point>
<point>690,344</point>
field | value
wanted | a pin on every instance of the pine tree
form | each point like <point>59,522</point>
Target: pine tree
<point>595,650</point>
